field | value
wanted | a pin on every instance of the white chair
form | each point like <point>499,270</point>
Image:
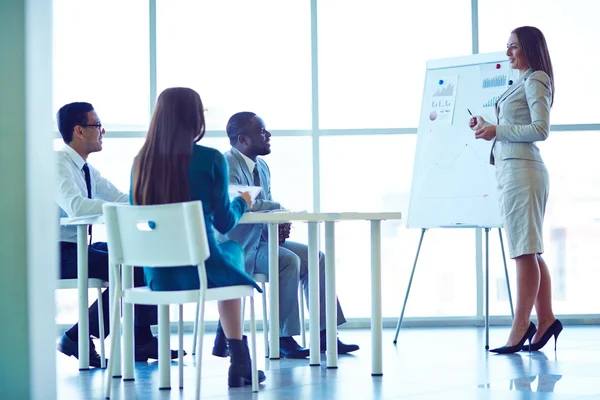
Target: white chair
<point>263,279</point>
<point>93,283</point>
<point>165,236</point>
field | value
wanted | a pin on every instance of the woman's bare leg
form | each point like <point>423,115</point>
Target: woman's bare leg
<point>230,314</point>
<point>543,301</point>
<point>528,284</point>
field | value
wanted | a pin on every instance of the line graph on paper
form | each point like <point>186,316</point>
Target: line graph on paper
<point>456,181</point>
<point>476,183</point>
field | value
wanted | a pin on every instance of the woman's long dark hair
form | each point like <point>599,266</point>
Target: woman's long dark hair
<point>535,49</point>
<point>160,170</point>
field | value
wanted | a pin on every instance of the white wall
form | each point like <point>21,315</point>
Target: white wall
<point>28,231</point>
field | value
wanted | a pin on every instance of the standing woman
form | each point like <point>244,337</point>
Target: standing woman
<point>523,118</point>
<point>171,168</point>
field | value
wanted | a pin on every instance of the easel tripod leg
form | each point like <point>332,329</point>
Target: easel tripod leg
<point>512,310</point>
<point>487,288</point>
<point>412,274</point>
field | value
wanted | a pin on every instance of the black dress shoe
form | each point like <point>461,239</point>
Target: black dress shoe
<point>289,348</point>
<point>513,349</point>
<point>70,348</point>
<point>553,330</point>
<point>149,350</point>
<point>343,348</point>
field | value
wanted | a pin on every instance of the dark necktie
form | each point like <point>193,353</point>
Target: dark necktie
<point>255,176</point>
<point>88,185</point>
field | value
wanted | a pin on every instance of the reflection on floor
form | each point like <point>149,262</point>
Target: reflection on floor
<point>436,363</point>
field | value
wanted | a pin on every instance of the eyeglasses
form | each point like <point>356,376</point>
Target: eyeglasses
<point>99,126</point>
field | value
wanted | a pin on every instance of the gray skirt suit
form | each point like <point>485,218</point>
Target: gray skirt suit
<point>523,118</point>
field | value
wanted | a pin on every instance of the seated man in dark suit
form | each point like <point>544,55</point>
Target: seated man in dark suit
<point>249,139</point>
<point>80,190</point>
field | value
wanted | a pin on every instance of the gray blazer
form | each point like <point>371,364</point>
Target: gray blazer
<point>249,235</point>
<point>523,117</point>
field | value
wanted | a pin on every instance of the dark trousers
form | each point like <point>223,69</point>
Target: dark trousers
<point>98,268</point>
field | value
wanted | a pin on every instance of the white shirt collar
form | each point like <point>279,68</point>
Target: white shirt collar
<point>251,164</point>
<point>77,159</point>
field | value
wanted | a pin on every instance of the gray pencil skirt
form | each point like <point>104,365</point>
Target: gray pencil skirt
<point>523,187</point>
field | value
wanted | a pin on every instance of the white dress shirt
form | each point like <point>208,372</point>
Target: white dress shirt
<point>70,192</point>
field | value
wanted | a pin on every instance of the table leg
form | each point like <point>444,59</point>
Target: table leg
<point>330,295</point>
<point>82,294</point>
<point>376,318</point>
<point>313,292</point>
<point>274,297</point>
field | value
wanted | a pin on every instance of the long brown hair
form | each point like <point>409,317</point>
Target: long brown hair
<point>535,49</point>
<point>160,170</point>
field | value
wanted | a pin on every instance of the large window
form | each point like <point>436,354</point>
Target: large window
<point>257,56</point>
<point>240,56</point>
<point>100,55</point>
<point>372,57</point>
<point>570,29</point>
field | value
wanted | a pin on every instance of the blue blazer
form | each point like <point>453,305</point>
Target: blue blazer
<point>208,179</point>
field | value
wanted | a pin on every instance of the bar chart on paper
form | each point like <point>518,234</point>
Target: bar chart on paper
<point>496,81</point>
<point>491,102</point>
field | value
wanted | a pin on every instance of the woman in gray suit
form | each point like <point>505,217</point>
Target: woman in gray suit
<point>523,118</point>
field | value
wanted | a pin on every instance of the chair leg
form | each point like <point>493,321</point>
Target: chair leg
<point>164,356</point>
<point>101,326</point>
<point>180,351</point>
<point>195,329</point>
<point>265,319</point>
<point>116,313</point>
<point>302,320</point>
<point>253,339</point>
<point>200,342</point>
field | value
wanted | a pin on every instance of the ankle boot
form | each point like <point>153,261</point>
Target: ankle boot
<point>220,348</point>
<point>240,369</point>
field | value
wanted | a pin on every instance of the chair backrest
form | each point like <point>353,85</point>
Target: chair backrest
<point>165,235</point>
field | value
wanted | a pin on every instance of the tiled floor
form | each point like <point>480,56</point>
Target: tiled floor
<point>436,364</point>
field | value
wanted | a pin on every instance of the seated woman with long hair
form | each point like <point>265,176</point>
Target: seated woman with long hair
<point>171,168</point>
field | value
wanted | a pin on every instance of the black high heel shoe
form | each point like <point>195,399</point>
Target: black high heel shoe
<point>553,330</point>
<point>517,347</point>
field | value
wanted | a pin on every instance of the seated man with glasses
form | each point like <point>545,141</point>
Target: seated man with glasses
<point>80,190</point>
